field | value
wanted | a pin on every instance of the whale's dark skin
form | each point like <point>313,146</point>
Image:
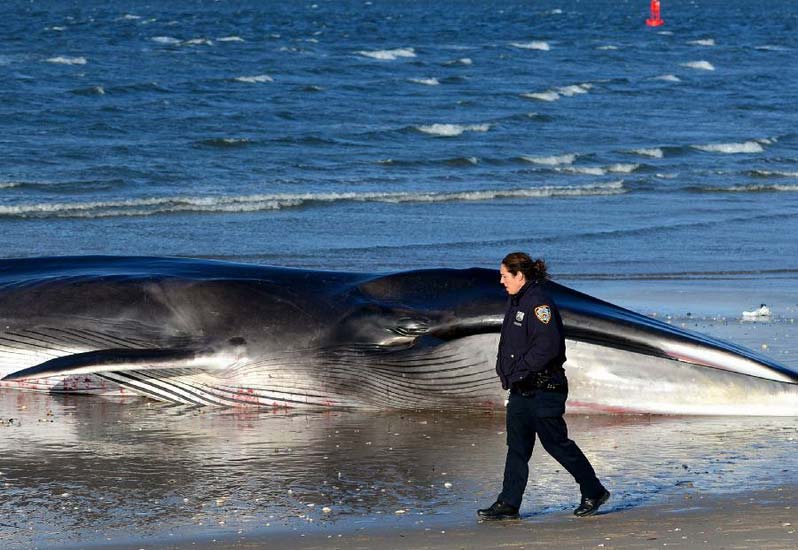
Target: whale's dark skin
<point>210,332</point>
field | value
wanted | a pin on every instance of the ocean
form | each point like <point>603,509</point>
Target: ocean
<point>653,167</point>
<point>382,136</point>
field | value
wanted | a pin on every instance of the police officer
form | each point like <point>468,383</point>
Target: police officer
<point>530,364</point>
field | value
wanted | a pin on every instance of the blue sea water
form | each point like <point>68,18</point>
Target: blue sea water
<point>378,135</point>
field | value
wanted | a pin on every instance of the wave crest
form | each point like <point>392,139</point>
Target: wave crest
<point>699,65</point>
<point>703,42</point>
<point>534,45</point>
<point>388,55</point>
<point>552,160</point>
<point>731,148</point>
<point>452,130</point>
<point>425,81</point>
<point>255,203</point>
<point>653,152</point>
<point>750,188</point>
<point>66,60</point>
<point>254,79</point>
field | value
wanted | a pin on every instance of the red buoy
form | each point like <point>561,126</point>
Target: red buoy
<point>655,20</point>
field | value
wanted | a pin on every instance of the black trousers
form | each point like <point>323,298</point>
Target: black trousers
<point>524,422</point>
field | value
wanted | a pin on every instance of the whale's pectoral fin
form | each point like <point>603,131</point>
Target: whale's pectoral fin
<point>108,360</point>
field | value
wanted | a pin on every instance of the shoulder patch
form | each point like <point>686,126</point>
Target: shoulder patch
<point>543,313</point>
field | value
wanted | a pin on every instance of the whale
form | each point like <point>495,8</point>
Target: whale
<point>209,332</point>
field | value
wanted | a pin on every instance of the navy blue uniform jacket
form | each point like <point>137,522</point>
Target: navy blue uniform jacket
<point>532,338</point>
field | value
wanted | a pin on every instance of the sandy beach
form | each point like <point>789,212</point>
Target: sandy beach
<point>749,520</point>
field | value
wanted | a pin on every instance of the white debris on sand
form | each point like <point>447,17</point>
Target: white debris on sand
<point>761,314</point>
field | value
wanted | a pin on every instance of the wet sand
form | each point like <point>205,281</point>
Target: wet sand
<point>754,520</point>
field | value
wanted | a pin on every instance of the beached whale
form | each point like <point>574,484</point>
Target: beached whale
<point>219,333</point>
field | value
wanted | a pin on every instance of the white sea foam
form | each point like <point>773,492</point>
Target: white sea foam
<point>534,45</point>
<point>461,61</point>
<point>653,152</point>
<point>553,160</point>
<point>253,203</point>
<point>8,184</point>
<point>607,47</point>
<point>699,65</point>
<point>771,48</point>
<point>542,96</point>
<point>254,79</point>
<point>197,42</point>
<point>703,42</point>
<point>556,93</point>
<point>57,29</point>
<point>574,89</point>
<point>584,170</point>
<point>389,55</point>
<point>668,78</point>
<point>230,39</point>
<point>756,188</point>
<point>452,130</point>
<point>622,168</point>
<point>165,40</point>
<point>731,148</point>
<point>65,60</point>
<point>131,17</point>
<point>425,81</point>
<point>769,174</point>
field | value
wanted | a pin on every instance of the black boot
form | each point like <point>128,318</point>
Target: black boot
<point>590,506</point>
<point>499,510</point>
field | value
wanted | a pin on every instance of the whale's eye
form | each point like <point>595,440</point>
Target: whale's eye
<point>411,326</point>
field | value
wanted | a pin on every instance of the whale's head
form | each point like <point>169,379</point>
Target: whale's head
<point>422,308</point>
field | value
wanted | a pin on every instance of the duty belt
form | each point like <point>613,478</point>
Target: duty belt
<point>538,382</point>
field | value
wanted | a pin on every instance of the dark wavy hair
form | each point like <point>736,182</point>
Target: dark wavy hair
<point>533,270</point>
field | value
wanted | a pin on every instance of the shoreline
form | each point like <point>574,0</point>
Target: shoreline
<point>762,519</point>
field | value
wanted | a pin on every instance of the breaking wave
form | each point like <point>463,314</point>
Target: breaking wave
<point>461,61</point>
<point>255,203</point>
<point>751,188</point>
<point>654,152</point>
<point>425,81</point>
<point>668,78</point>
<point>553,160</point>
<point>8,184</point>
<point>388,55</point>
<point>767,174</point>
<point>452,130</point>
<point>703,42</point>
<point>222,143</point>
<point>254,79</point>
<point>555,93</point>
<point>165,40</point>
<point>534,45</point>
<point>731,148</point>
<point>65,60</point>
<point>599,170</point>
<point>699,65</point>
